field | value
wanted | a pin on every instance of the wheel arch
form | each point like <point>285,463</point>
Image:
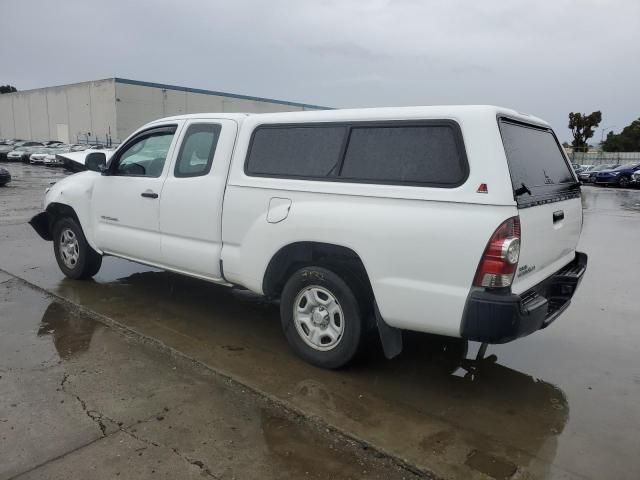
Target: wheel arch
<point>57,210</point>
<point>346,263</point>
<point>296,255</point>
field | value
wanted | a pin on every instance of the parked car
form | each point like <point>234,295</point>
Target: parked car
<point>584,169</point>
<point>37,158</point>
<point>8,147</point>
<point>23,152</point>
<point>11,141</point>
<point>52,160</point>
<point>619,176</point>
<point>40,156</point>
<point>5,177</point>
<point>590,177</point>
<point>77,147</point>
<point>15,155</point>
<point>392,214</point>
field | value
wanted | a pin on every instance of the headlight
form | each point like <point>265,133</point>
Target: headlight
<point>615,174</point>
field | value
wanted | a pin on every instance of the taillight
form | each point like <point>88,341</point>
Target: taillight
<point>500,258</point>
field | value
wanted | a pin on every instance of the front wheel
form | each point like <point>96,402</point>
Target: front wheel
<point>321,317</point>
<point>74,255</point>
<point>623,182</point>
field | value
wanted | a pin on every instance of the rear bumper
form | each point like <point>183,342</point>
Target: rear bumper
<point>502,317</point>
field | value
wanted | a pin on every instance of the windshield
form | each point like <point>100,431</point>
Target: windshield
<point>626,167</point>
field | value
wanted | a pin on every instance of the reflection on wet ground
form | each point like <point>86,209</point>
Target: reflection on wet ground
<point>562,403</point>
<point>71,333</point>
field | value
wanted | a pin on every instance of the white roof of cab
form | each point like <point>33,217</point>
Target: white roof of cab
<point>377,113</point>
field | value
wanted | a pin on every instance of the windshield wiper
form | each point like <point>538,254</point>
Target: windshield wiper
<point>522,190</point>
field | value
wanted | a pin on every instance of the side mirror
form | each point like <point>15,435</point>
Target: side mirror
<point>96,161</point>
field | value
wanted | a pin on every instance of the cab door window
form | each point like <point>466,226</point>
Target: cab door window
<point>197,150</point>
<point>146,154</point>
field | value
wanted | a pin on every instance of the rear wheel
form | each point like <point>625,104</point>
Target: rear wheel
<point>321,317</point>
<point>74,255</point>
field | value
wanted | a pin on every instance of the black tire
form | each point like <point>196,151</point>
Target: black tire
<point>623,182</point>
<point>353,323</point>
<point>88,261</point>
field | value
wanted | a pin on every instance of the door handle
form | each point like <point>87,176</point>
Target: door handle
<point>557,216</point>
<point>149,195</point>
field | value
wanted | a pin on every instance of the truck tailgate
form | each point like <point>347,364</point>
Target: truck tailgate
<point>548,197</point>
<point>550,234</point>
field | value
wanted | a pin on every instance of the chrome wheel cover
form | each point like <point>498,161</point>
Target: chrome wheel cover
<point>318,318</point>
<point>69,248</point>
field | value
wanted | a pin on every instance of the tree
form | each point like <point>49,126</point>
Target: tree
<point>7,89</point>
<point>628,140</point>
<point>582,128</point>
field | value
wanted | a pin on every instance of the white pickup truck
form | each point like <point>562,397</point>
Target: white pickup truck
<point>460,221</point>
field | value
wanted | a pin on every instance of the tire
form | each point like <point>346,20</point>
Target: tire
<point>74,255</point>
<point>623,182</point>
<point>321,317</point>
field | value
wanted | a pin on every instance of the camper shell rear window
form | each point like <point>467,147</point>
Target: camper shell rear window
<point>538,167</point>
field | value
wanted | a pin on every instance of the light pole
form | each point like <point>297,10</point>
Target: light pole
<point>602,135</point>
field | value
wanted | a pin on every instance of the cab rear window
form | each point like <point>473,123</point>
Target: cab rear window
<point>536,162</point>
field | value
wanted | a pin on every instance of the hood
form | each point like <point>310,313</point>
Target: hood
<point>79,157</point>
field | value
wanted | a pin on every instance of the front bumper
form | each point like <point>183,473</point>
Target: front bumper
<point>609,180</point>
<point>41,223</point>
<point>493,317</point>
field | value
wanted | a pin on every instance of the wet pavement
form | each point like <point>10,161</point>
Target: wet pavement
<point>562,403</point>
<point>80,400</point>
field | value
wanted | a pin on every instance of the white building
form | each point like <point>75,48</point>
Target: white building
<point>113,108</point>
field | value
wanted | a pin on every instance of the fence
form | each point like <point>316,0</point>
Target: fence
<point>600,158</point>
<point>105,141</point>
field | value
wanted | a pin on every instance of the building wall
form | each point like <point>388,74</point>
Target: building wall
<point>64,113</point>
<point>140,104</point>
<point>91,111</point>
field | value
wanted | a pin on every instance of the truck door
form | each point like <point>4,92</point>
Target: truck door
<point>125,200</point>
<point>191,199</point>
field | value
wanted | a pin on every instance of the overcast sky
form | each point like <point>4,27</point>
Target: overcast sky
<point>545,57</point>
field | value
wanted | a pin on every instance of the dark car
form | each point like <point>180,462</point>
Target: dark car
<point>5,177</point>
<point>590,176</point>
<point>620,176</point>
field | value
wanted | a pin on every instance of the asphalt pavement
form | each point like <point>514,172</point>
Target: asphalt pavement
<point>561,403</point>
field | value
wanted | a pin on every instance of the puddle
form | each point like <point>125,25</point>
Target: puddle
<point>71,334</point>
<point>490,465</point>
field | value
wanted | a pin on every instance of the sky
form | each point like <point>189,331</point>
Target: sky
<point>544,57</point>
